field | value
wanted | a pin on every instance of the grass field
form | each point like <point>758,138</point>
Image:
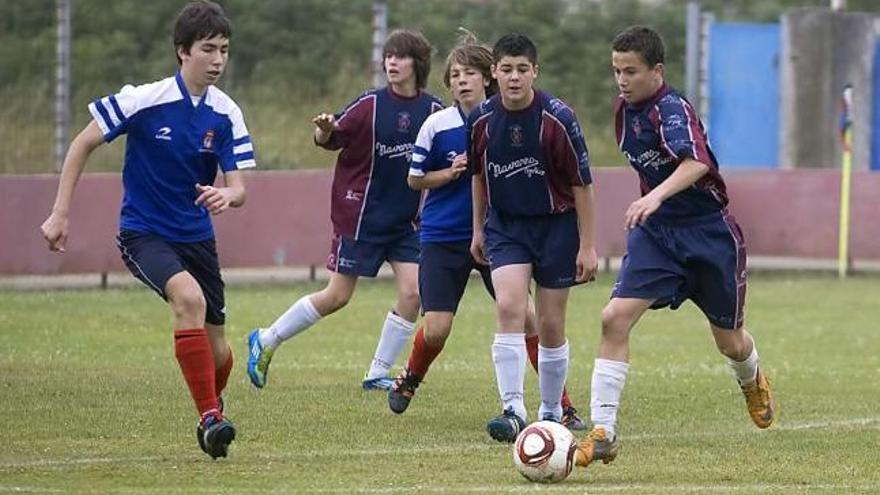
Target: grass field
<point>91,400</point>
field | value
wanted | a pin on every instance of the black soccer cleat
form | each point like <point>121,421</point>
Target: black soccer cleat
<point>402,391</point>
<point>214,434</point>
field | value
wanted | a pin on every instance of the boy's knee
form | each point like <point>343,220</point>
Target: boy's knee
<point>615,323</point>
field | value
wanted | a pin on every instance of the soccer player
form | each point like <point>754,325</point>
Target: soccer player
<point>180,130</point>
<point>681,242</point>
<point>373,211</point>
<point>532,171</point>
<point>438,165</point>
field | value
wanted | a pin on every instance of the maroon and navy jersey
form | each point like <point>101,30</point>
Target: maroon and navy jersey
<point>529,158</point>
<point>656,136</point>
<point>370,198</point>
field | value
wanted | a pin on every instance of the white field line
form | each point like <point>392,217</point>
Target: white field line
<point>588,488</point>
<point>855,423</point>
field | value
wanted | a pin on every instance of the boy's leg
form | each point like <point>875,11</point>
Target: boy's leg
<point>553,351</point>
<point>427,345</point>
<point>223,356</point>
<point>742,356</point>
<point>511,284</point>
<point>444,270</point>
<point>609,376</point>
<point>191,344</point>
<point>720,292</point>
<point>305,312</point>
<point>397,328</point>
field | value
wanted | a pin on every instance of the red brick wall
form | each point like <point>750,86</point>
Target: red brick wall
<point>286,219</point>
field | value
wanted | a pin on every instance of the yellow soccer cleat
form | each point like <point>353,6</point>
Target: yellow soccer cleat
<point>596,447</point>
<point>759,401</point>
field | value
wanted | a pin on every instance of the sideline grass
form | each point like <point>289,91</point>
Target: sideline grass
<point>91,400</point>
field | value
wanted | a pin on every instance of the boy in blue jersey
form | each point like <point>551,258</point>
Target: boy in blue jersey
<point>438,165</point>
<point>681,244</point>
<point>531,170</point>
<point>373,211</point>
<point>180,130</point>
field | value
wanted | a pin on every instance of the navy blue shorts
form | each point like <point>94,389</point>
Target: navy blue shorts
<point>549,243</point>
<point>444,270</point>
<point>703,260</point>
<point>363,259</point>
<point>153,261</point>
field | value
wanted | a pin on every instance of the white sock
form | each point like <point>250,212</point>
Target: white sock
<point>297,318</point>
<point>509,355</point>
<point>552,371</point>
<point>396,332</point>
<point>609,378</point>
<point>745,371</point>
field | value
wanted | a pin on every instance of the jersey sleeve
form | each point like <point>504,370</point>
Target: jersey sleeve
<point>421,155</point>
<point>114,112</point>
<point>569,148</point>
<point>680,132</point>
<point>236,148</point>
<point>350,121</point>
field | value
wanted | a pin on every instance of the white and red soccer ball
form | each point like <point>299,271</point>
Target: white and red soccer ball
<point>544,452</point>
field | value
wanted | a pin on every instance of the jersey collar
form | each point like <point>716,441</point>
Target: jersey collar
<point>185,92</point>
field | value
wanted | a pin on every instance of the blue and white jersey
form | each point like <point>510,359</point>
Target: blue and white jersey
<point>172,146</point>
<point>446,214</point>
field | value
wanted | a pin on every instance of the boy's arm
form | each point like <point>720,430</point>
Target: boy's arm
<point>55,227</point>
<point>438,178</point>
<point>478,191</point>
<point>688,172</point>
<point>218,199</point>
<point>587,260</point>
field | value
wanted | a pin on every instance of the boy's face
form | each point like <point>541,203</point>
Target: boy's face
<point>636,80</point>
<point>399,70</point>
<point>515,76</point>
<point>206,60</point>
<point>467,84</point>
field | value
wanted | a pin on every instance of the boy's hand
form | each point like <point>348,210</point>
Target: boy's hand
<point>55,231</point>
<point>639,211</point>
<point>587,265</point>
<point>478,247</point>
<point>215,199</point>
<point>459,165</point>
<point>326,122</point>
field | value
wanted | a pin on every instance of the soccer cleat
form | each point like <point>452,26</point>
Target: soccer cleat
<point>200,433</point>
<point>259,358</point>
<point>402,391</point>
<point>215,433</point>
<point>596,447</point>
<point>759,401</point>
<point>571,420</point>
<point>506,427</point>
<point>380,383</point>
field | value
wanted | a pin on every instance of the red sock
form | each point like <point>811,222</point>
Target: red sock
<point>196,361</point>
<point>222,374</point>
<point>532,349</point>
<point>422,355</point>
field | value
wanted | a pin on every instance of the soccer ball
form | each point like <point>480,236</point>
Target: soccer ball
<point>544,452</point>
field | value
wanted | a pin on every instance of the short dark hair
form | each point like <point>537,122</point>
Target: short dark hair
<point>515,45</point>
<point>199,20</point>
<point>470,52</point>
<point>406,43</point>
<point>642,40</point>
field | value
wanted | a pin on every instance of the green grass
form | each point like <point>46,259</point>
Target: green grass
<point>91,400</point>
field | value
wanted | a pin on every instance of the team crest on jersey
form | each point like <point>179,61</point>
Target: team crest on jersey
<point>637,126</point>
<point>208,140</point>
<point>516,135</point>
<point>404,121</point>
